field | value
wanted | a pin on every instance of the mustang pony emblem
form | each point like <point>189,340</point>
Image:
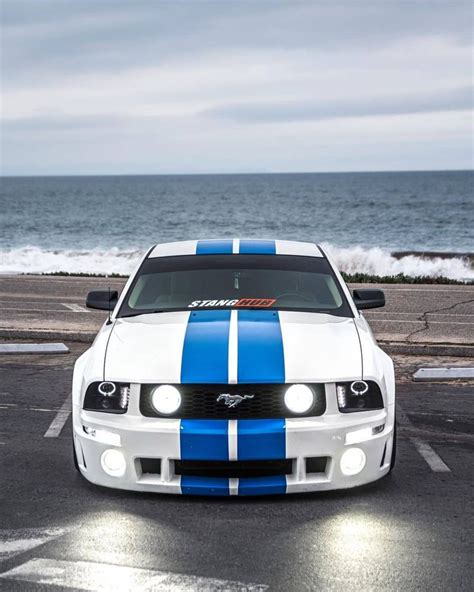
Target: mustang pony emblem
<point>233,400</point>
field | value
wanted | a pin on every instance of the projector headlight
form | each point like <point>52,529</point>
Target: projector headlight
<point>166,399</point>
<point>358,395</point>
<point>107,396</point>
<point>299,398</point>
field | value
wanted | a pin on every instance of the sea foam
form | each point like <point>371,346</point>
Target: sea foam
<point>374,261</point>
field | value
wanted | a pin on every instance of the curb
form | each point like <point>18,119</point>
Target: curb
<point>47,334</point>
<point>390,347</point>
<point>428,349</point>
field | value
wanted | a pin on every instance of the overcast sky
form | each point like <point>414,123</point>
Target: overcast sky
<point>103,87</point>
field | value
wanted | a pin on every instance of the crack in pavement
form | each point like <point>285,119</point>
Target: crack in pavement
<point>424,317</point>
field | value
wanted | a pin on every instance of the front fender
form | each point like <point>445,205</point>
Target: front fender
<point>376,363</point>
<point>90,365</point>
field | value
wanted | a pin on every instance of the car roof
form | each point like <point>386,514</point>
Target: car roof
<point>236,246</point>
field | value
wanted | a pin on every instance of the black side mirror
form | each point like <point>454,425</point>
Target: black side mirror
<point>368,298</point>
<point>102,299</point>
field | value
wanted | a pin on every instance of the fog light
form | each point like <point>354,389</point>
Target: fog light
<point>353,461</point>
<point>103,436</point>
<point>299,398</point>
<point>113,463</point>
<point>166,399</point>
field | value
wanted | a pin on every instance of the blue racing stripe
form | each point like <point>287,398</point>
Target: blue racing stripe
<point>261,247</point>
<point>204,439</point>
<point>204,485</point>
<point>261,439</point>
<point>206,347</point>
<point>205,360</point>
<point>260,347</point>
<point>262,485</point>
<point>214,247</point>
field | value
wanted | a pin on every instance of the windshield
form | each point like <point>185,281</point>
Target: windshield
<point>280,282</point>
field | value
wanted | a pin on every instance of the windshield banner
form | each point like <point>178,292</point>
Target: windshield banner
<point>242,302</point>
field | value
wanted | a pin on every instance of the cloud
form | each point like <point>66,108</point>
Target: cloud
<point>441,100</point>
<point>57,38</point>
<point>135,86</point>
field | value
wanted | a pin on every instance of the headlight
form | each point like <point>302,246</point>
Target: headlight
<point>299,398</point>
<point>166,399</point>
<point>358,395</point>
<point>106,396</point>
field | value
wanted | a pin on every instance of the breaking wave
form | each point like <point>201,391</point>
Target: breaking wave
<point>376,261</point>
<point>97,261</point>
<point>373,261</point>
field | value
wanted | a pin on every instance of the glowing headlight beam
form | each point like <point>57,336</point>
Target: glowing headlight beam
<point>166,399</point>
<point>299,398</point>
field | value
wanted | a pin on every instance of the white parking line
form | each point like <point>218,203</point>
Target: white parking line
<point>59,420</point>
<point>14,542</point>
<point>434,461</point>
<point>27,310</point>
<point>75,307</point>
<point>102,577</point>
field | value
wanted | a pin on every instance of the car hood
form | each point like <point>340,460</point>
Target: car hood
<point>218,346</point>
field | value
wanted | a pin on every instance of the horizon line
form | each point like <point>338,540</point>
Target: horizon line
<point>247,173</point>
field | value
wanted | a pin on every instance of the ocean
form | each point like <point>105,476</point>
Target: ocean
<point>102,224</point>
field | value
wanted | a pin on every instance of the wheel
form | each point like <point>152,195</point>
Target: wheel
<point>394,446</point>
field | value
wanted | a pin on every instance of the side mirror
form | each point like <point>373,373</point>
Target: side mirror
<point>102,299</point>
<point>368,298</point>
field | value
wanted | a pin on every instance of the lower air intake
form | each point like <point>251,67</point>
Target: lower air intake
<point>233,469</point>
<point>316,464</point>
<point>150,466</point>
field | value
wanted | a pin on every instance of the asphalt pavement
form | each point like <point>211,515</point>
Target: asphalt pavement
<point>409,531</point>
<point>415,318</point>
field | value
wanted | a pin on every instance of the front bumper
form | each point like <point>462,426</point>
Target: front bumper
<point>303,438</point>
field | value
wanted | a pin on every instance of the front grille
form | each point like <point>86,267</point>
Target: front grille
<point>233,469</point>
<point>199,401</point>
